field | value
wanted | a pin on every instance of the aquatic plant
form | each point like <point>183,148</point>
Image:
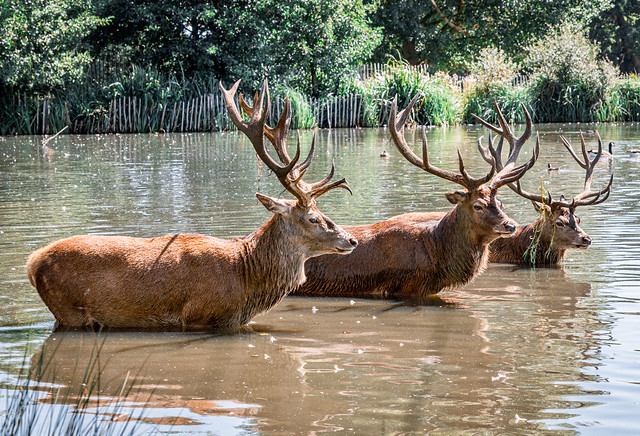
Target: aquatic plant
<point>35,407</point>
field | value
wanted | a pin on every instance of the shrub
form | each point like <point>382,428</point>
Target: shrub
<point>626,99</point>
<point>439,103</point>
<point>491,79</point>
<point>569,81</point>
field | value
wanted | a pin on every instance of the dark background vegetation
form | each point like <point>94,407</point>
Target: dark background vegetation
<point>567,60</point>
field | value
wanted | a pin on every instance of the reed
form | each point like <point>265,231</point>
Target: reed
<point>143,100</point>
<point>34,407</point>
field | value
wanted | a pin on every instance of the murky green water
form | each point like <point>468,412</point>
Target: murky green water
<point>517,351</point>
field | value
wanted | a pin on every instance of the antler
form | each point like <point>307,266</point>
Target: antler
<point>290,175</point>
<point>587,196</point>
<point>396,128</point>
<point>509,173</point>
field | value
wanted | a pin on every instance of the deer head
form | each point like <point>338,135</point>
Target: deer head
<point>477,201</point>
<point>559,221</point>
<point>316,232</point>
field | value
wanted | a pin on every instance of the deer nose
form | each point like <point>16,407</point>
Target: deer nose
<point>353,242</point>
<point>586,240</point>
<point>509,227</point>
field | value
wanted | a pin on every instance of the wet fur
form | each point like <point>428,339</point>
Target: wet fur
<point>512,250</point>
<point>184,280</point>
<point>408,255</point>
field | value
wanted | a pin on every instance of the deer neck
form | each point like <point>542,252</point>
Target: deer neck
<point>545,253</point>
<point>464,255</point>
<point>519,249</point>
<point>273,265</point>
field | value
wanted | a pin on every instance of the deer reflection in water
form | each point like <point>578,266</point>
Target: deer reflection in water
<point>375,366</point>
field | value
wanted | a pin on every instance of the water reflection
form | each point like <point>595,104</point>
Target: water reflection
<point>516,351</point>
<point>374,366</point>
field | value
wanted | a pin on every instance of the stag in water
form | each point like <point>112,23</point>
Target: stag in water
<point>545,241</point>
<point>193,281</point>
<point>415,254</point>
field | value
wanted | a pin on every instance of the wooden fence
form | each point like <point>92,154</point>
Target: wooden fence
<point>207,112</point>
<point>200,114</point>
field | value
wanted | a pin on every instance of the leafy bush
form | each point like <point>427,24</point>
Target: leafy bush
<point>569,82</point>
<point>492,68</point>
<point>439,104</point>
<point>491,79</point>
<point>626,99</point>
<point>509,98</point>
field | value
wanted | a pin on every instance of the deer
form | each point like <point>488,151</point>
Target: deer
<point>546,241</point>
<point>422,254</point>
<point>194,281</point>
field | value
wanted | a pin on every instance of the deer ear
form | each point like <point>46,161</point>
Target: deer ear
<point>456,197</point>
<point>274,205</point>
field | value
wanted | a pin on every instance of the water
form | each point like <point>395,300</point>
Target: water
<point>518,351</point>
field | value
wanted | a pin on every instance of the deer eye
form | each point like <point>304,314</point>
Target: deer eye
<point>559,223</point>
<point>478,207</point>
<point>313,220</point>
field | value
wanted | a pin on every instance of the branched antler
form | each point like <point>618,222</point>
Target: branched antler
<point>506,175</point>
<point>290,175</point>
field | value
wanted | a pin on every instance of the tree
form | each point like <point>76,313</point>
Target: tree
<point>310,43</point>
<point>315,43</point>
<point>41,42</point>
<point>618,31</point>
<point>449,33</point>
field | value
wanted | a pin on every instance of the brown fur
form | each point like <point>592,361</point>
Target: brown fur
<point>557,232</point>
<point>414,254</point>
<point>183,280</point>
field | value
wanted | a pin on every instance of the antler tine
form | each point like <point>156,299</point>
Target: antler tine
<point>507,175</point>
<point>445,174</point>
<point>471,182</point>
<point>319,188</point>
<point>587,196</point>
<point>491,155</point>
<point>276,135</point>
<point>593,197</point>
<point>572,152</point>
<point>254,130</point>
<point>515,144</point>
<point>396,129</point>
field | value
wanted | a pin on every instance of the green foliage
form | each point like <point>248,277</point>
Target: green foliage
<point>491,68</point>
<point>569,82</point>
<point>316,43</point>
<point>509,98</point>
<point>439,103</point>
<point>449,38</point>
<point>617,30</point>
<point>626,99</point>
<point>41,42</point>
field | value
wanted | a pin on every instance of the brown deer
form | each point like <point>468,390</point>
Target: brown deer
<point>421,256</point>
<point>189,280</point>
<point>545,241</point>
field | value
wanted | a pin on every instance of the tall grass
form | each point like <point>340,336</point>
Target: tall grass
<point>625,100</point>
<point>439,103</point>
<point>509,98</point>
<point>36,408</point>
<point>143,100</point>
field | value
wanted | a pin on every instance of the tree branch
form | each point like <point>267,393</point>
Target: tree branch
<point>448,21</point>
